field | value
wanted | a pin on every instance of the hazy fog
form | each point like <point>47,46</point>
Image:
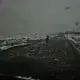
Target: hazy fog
<point>44,16</point>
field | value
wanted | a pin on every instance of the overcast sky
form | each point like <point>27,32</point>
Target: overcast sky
<point>44,16</point>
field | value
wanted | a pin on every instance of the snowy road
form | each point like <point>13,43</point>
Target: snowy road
<point>58,55</point>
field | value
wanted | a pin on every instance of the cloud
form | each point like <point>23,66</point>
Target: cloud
<point>29,16</point>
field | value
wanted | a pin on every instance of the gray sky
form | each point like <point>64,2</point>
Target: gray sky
<point>44,16</point>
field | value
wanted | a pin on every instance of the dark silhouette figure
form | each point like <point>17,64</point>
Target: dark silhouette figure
<point>47,39</point>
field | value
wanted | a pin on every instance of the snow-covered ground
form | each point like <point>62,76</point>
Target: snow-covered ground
<point>5,47</point>
<point>29,78</point>
<point>12,41</point>
<point>74,38</point>
<point>76,41</point>
<point>70,38</point>
<point>25,78</point>
<point>9,46</point>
